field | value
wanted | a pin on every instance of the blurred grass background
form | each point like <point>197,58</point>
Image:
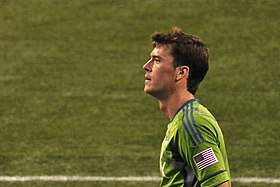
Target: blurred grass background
<point>71,79</point>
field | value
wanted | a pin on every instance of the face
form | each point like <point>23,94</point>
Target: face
<point>160,73</point>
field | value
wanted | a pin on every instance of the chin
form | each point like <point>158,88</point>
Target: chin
<point>148,91</point>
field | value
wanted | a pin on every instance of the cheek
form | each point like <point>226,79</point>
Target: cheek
<point>168,73</point>
<point>165,77</point>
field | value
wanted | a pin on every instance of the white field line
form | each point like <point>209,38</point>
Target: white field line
<point>257,180</point>
<point>75,178</point>
<point>129,178</point>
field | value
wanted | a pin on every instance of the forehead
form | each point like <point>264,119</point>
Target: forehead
<point>162,51</point>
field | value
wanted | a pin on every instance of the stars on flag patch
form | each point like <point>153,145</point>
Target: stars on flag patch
<point>205,158</point>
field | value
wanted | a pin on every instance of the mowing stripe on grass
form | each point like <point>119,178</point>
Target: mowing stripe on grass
<point>130,178</point>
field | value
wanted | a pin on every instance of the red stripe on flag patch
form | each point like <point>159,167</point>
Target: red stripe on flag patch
<point>205,158</point>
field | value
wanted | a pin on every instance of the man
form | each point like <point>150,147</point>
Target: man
<point>193,151</point>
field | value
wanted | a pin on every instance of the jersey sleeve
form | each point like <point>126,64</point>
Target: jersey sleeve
<point>201,150</point>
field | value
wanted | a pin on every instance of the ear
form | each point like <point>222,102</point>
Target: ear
<point>182,72</point>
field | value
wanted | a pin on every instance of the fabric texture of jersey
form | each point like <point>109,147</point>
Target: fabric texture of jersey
<point>193,152</point>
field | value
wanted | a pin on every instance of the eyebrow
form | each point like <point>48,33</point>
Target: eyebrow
<point>155,56</point>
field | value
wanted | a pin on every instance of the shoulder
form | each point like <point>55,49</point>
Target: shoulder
<point>196,124</point>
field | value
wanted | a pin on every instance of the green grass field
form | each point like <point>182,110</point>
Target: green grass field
<point>71,79</point>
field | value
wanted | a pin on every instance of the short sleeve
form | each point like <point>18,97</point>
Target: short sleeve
<point>206,158</point>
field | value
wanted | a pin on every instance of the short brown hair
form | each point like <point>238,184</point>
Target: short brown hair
<point>187,50</point>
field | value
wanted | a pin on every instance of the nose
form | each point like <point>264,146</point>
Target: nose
<point>147,66</point>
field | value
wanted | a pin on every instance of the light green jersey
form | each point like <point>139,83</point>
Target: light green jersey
<point>193,152</point>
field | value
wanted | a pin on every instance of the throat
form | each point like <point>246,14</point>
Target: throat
<point>171,106</point>
<point>168,108</point>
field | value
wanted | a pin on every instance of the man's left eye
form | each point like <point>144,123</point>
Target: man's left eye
<point>157,60</point>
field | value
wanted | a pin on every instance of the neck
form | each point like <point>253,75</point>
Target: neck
<point>171,104</point>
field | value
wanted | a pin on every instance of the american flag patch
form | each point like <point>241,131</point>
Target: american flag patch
<point>205,158</point>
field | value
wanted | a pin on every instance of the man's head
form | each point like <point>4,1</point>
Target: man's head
<point>186,50</point>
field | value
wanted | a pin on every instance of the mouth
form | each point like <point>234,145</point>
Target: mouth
<point>147,78</point>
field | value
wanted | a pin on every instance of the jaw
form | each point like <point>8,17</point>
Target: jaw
<point>160,94</point>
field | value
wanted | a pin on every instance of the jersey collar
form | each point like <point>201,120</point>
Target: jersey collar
<point>185,104</point>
